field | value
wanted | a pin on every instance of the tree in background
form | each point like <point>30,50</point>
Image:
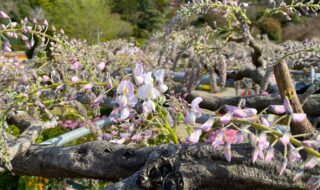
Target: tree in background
<point>145,15</point>
<point>83,19</point>
<point>88,19</point>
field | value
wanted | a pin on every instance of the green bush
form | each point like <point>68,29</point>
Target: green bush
<point>271,27</point>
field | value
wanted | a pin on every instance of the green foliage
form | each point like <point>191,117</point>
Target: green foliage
<point>271,27</point>
<point>84,19</point>
<point>146,15</point>
<point>13,130</point>
<point>8,181</point>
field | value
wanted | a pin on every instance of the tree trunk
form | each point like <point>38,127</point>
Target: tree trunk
<point>286,88</point>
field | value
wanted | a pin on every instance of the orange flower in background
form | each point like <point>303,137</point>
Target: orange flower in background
<point>41,185</point>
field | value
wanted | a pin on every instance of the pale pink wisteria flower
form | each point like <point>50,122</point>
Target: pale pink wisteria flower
<point>101,66</point>
<point>148,93</point>
<point>236,112</point>
<point>138,73</point>
<point>293,153</point>
<point>74,79</point>
<point>159,75</point>
<point>45,78</point>
<point>261,144</point>
<point>75,65</point>
<point>286,108</point>
<point>125,99</point>
<point>283,166</point>
<point>195,111</point>
<point>88,86</point>
<point>205,127</point>
<point>4,15</point>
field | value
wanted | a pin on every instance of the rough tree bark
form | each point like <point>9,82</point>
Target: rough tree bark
<point>168,166</point>
<point>286,88</point>
<point>31,128</point>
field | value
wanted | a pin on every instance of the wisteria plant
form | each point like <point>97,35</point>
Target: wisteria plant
<point>68,86</point>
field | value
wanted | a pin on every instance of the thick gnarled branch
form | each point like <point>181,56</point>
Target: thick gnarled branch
<point>31,128</point>
<point>170,166</point>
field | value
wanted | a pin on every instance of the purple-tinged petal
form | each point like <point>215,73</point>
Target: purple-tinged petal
<point>45,22</point>
<point>260,154</point>
<point>298,117</point>
<point>190,118</point>
<point>74,79</point>
<point>75,65</point>
<point>109,83</point>
<point>106,136</point>
<point>118,141</point>
<point>99,99</point>
<point>170,119</point>
<point>125,87</point>
<point>239,137</point>
<point>252,139</point>
<point>285,139</point>
<point>45,78</point>
<point>7,49</point>
<point>148,106</point>
<point>195,136</point>
<point>143,91</point>
<point>251,119</point>
<point>138,73</point>
<point>147,91</point>
<point>298,174</point>
<point>244,113</point>
<point>269,154</point>
<point>195,104</point>
<point>138,70</point>
<point>227,151</point>
<point>125,112</point>
<point>283,128</point>
<point>287,106</point>
<point>132,100</point>
<point>101,66</point>
<point>125,135</point>
<point>277,109</point>
<point>163,87</point>
<point>293,154</point>
<point>122,100</point>
<point>314,182</point>
<point>311,143</point>
<point>147,134</point>
<point>4,15</point>
<point>217,138</point>
<point>283,166</point>
<point>155,93</point>
<point>139,79</point>
<point>228,108</point>
<point>255,154</point>
<point>148,78</point>
<point>159,75</point>
<point>311,162</point>
<point>226,118</point>
<point>262,141</point>
<point>264,122</point>
<point>207,125</point>
<point>136,137</point>
<point>88,86</point>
